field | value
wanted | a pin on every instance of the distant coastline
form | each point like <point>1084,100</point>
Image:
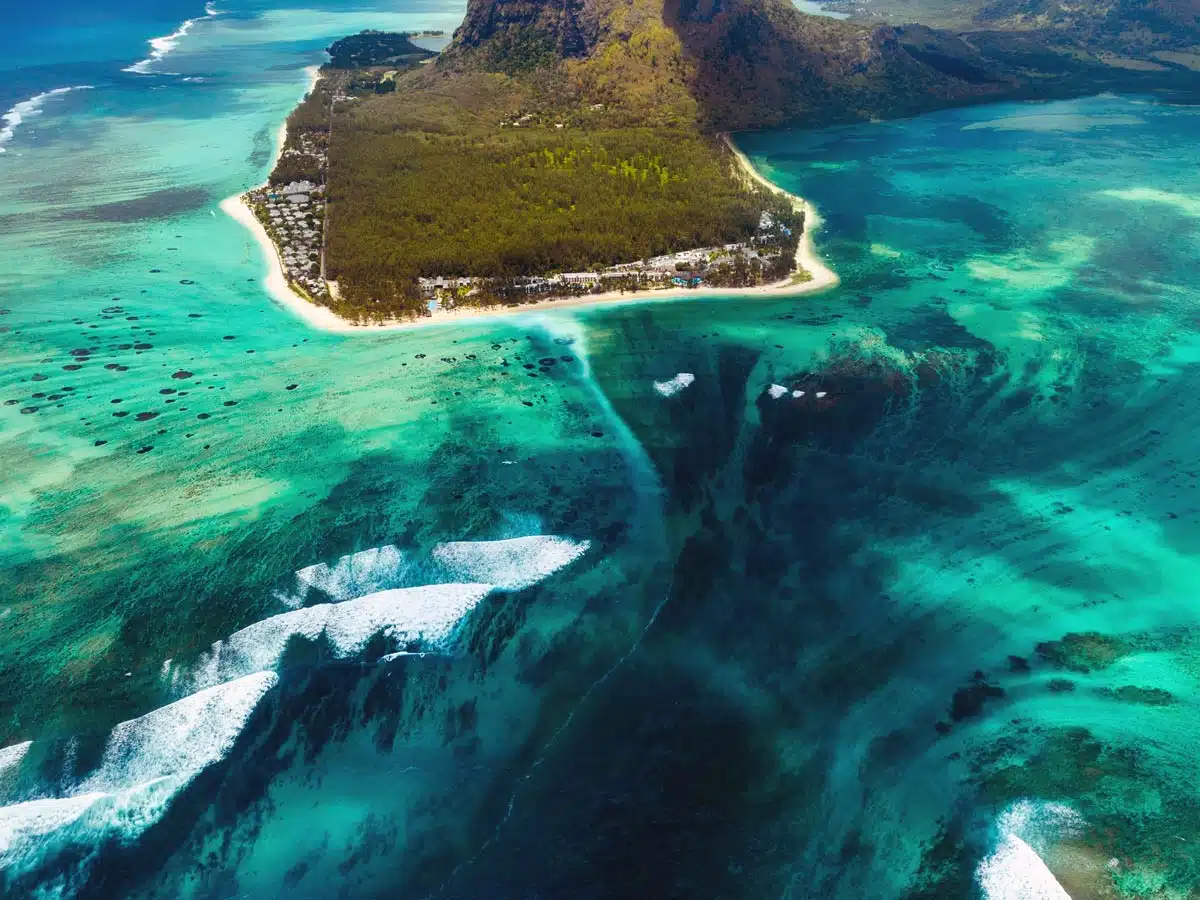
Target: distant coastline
<point>821,276</point>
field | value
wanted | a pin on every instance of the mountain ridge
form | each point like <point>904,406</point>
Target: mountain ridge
<point>751,64</point>
<point>583,138</point>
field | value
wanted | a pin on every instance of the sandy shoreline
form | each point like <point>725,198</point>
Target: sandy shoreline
<point>275,283</point>
<point>325,319</point>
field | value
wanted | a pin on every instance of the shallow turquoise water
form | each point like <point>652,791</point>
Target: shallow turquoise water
<point>802,646</point>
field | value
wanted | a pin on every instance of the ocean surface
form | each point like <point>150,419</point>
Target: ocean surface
<point>884,593</point>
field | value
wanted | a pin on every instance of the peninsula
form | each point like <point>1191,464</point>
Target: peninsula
<point>579,152</point>
<point>377,216</point>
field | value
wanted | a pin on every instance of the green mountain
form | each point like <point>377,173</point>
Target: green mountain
<point>560,136</point>
<point>756,63</point>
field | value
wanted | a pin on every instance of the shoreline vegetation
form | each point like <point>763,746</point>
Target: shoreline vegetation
<point>287,217</point>
<point>577,153</point>
<point>822,277</point>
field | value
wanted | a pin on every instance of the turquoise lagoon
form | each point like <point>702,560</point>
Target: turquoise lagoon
<point>894,598</point>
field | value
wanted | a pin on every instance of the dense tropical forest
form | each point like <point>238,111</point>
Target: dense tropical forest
<point>522,201</point>
<point>375,48</point>
<point>577,134</point>
<point>493,166</point>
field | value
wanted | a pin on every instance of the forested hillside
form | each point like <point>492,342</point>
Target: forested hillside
<point>515,158</point>
<point>575,134</point>
<point>516,203</point>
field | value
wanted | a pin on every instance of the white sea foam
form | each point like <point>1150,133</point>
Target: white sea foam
<point>1015,870</point>
<point>182,737</point>
<point>513,564</point>
<point>427,615</point>
<point>161,46</point>
<point>353,576</point>
<point>1039,824</point>
<point>29,108</point>
<point>11,756</point>
<point>675,385</point>
<point>23,822</point>
<point>10,765</point>
<point>145,763</point>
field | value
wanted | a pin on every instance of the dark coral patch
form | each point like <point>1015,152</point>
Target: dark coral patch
<point>968,701</point>
<point>1082,652</point>
<point>1140,695</point>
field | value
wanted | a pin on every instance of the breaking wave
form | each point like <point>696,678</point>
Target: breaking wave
<point>512,564</point>
<point>422,616</point>
<point>353,576</point>
<point>11,756</point>
<point>10,763</point>
<point>145,763</point>
<point>31,107</point>
<point>416,602</point>
<point>1015,870</point>
<point>161,46</point>
<point>674,385</point>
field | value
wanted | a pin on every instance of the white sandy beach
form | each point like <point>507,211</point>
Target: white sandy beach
<point>325,319</point>
<point>275,283</point>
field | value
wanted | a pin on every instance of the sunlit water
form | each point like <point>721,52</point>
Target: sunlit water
<point>892,597</point>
